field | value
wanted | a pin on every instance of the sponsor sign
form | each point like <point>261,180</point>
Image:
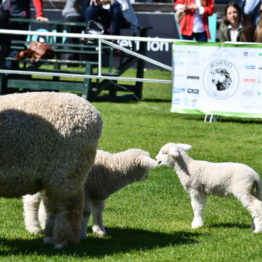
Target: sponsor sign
<point>219,79</point>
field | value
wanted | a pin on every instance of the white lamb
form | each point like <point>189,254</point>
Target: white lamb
<point>48,142</point>
<point>200,178</point>
<point>110,173</point>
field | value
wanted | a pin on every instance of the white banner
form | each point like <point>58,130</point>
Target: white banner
<point>218,79</point>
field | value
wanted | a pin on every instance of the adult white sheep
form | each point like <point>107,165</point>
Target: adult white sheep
<point>110,173</point>
<point>48,141</point>
<point>200,178</point>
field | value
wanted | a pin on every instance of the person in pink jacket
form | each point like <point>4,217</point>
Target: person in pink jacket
<point>194,23</point>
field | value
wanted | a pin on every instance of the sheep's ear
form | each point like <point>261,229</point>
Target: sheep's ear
<point>148,162</point>
<point>184,147</point>
<point>173,152</point>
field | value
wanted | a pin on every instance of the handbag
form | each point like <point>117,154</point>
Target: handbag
<point>40,50</point>
<point>36,51</point>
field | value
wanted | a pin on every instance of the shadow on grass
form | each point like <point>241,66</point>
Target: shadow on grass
<point>230,225</point>
<point>117,99</point>
<point>118,241</point>
<point>128,98</point>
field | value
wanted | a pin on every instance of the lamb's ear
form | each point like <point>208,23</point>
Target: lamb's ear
<point>173,152</point>
<point>148,162</point>
<point>184,147</point>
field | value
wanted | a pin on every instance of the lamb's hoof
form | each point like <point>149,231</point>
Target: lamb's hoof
<point>196,225</point>
<point>98,231</point>
<point>34,230</point>
<point>257,230</point>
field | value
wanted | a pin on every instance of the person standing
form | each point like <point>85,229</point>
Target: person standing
<point>21,9</point>
<point>194,23</point>
<point>236,27</point>
<point>72,12</point>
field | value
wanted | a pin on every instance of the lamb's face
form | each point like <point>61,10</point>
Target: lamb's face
<point>163,158</point>
<point>169,152</point>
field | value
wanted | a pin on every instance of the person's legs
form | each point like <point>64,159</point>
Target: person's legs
<point>70,40</point>
<point>13,53</point>
<point>200,37</point>
<point>91,12</point>
<point>105,20</point>
<point>116,18</point>
<point>186,37</point>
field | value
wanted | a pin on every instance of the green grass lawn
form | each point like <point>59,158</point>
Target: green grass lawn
<point>150,220</point>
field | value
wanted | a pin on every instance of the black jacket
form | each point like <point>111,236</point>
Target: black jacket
<point>17,8</point>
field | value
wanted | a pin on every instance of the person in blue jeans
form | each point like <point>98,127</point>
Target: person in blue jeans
<point>113,14</point>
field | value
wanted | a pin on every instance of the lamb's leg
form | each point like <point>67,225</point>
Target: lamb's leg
<point>42,216</point>
<point>198,200</point>
<point>31,205</point>
<point>86,216</point>
<point>254,206</point>
<point>97,214</point>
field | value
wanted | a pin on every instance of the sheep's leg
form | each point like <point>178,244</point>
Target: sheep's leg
<point>198,200</point>
<point>50,219</point>
<point>254,206</point>
<point>97,214</point>
<point>67,224</point>
<point>31,205</point>
<point>63,223</point>
<point>86,216</point>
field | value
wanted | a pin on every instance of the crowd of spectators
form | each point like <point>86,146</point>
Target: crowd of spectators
<point>239,24</point>
<point>241,17</point>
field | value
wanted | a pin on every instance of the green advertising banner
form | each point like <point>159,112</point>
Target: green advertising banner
<point>217,79</point>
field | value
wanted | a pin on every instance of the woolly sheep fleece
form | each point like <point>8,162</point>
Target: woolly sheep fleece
<point>48,141</point>
<point>200,178</point>
<point>110,173</point>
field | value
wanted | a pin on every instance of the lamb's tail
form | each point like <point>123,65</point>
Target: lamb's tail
<point>258,187</point>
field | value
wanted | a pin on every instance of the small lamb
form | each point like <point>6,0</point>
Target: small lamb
<point>110,173</point>
<point>200,178</point>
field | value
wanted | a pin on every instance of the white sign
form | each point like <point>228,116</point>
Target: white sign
<point>218,79</point>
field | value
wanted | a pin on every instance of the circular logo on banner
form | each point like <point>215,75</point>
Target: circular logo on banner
<point>221,79</point>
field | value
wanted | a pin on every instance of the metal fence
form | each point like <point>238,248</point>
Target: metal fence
<point>105,39</point>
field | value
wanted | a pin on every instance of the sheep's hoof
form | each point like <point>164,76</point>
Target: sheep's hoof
<point>58,246</point>
<point>48,240</point>
<point>83,237</point>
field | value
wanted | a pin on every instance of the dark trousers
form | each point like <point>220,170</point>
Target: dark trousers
<point>112,19</point>
<point>71,40</point>
<point>199,37</point>
<point>98,14</point>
